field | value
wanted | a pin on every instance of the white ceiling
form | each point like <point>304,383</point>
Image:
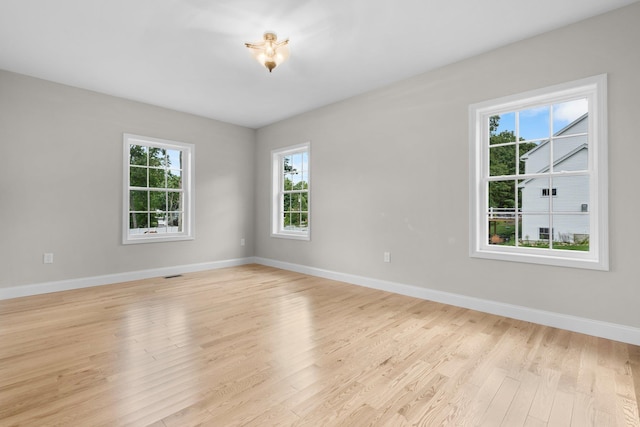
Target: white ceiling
<point>188,55</point>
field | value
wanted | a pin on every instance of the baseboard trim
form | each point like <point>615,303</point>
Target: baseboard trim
<point>86,282</point>
<point>612,331</point>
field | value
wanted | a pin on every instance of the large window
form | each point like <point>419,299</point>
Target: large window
<point>526,148</point>
<point>158,196</point>
<point>291,185</point>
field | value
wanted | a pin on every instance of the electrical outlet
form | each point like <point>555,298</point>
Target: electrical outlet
<point>47,258</point>
<point>387,257</point>
<point>242,242</point>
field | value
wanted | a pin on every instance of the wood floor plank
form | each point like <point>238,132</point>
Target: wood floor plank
<point>259,346</point>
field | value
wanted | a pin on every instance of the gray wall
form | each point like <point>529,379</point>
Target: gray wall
<point>61,183</point>
<point>390,173</point>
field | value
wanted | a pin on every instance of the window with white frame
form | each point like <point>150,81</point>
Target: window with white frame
<point>290,216</point>
<point>158,190</point>
<point>527,147</point>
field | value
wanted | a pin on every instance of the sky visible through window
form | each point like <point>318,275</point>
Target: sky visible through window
<point>534,122</point>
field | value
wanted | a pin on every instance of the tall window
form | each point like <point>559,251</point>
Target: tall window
<point>291,186</point>
<point>526,148</point>
<point>158,182</point>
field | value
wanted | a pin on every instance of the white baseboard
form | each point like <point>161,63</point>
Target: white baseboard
<point>86,282</point>
<point>613,331</point>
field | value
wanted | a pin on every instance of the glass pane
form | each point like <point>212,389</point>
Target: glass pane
<point>534,231</point>
<point>297,162</point>
<point>305,202</point>
<point>286,164</point>
<point>156,219</point>
<point>174,224</point>
<point>502,160</point>
<point>304,220</point>
<point>502,196</point>
<point>156,178</point>
<point>571,232</point>
<point>534,195</point>
<point>156,156</point>
<point>534,123</point>
<point>160,221</point>
<point>157,201</point>
<point>305,180</point>
<point>174,178</point>
<point>295,221</point>
<point>286,203</point>
<point>502,229</point>
<point>288,183</point>
<point>138,223</point>
<point>502,128</point>
<point>305,161</point>
<point>536,161</point>
<point>138,201</point>
<point>138,155</point>
<point>174,201</point>
<point>174,159</point>
<point>525,150</point>
<point>570,117</point>
<point>137,177</point>
<point>296,180</point>
<point>570,194</point>
<point>571,154</point>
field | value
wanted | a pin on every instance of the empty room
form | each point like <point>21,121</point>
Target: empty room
<point>319,213</point>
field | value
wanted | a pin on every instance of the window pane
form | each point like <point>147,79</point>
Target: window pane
<point>137,155</point>
<point>138,223</point>
<point>304,220</point>
<point>156,156</point>
<point>287,164</point>
<point>502,128</point>
<point>157,201</point>
<point>295,221</point>
<point>174,222</point>
<point>525,151</point>
<point>174,159</point>
<point>572,194</point>
<point>156,178</point>
<point>502,196</point>
<point>305,180</point>
<point>534,231</point>
<point>288,183</point>
<point>571,154</point>
<point>502,229</point>
<point>138,201</point>
<point>571,232</point>
<point>532,195</point>
<point>566,113</point>
<point>534,123</point>
<point>502,160</point>
<point>174,201</point>
<point>296,162</point>
<point>174,178</point>
<point>137,177</point>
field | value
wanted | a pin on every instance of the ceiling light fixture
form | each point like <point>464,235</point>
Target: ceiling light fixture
<point>270,52</point>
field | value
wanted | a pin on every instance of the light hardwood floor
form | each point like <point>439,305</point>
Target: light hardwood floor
<point>258,346</point>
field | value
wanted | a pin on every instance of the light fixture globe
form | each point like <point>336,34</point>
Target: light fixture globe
<point>270,52</point>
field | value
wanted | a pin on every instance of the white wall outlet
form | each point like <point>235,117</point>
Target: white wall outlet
<point>47,258</point>
<point>242,242</point>
<point>387,257</point>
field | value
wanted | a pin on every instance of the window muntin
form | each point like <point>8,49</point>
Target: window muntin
<point>158,199</point>
<point>525,147</point>
<point>291,192</point>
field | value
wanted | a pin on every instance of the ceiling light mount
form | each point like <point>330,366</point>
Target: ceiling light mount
<point>270,52</point>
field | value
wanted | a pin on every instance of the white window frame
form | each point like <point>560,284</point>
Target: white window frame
<point>277,229</point>
<point>188,186</point>
<point>597,258</point>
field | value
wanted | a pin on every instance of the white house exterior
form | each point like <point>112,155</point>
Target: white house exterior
<point>558,207</point>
